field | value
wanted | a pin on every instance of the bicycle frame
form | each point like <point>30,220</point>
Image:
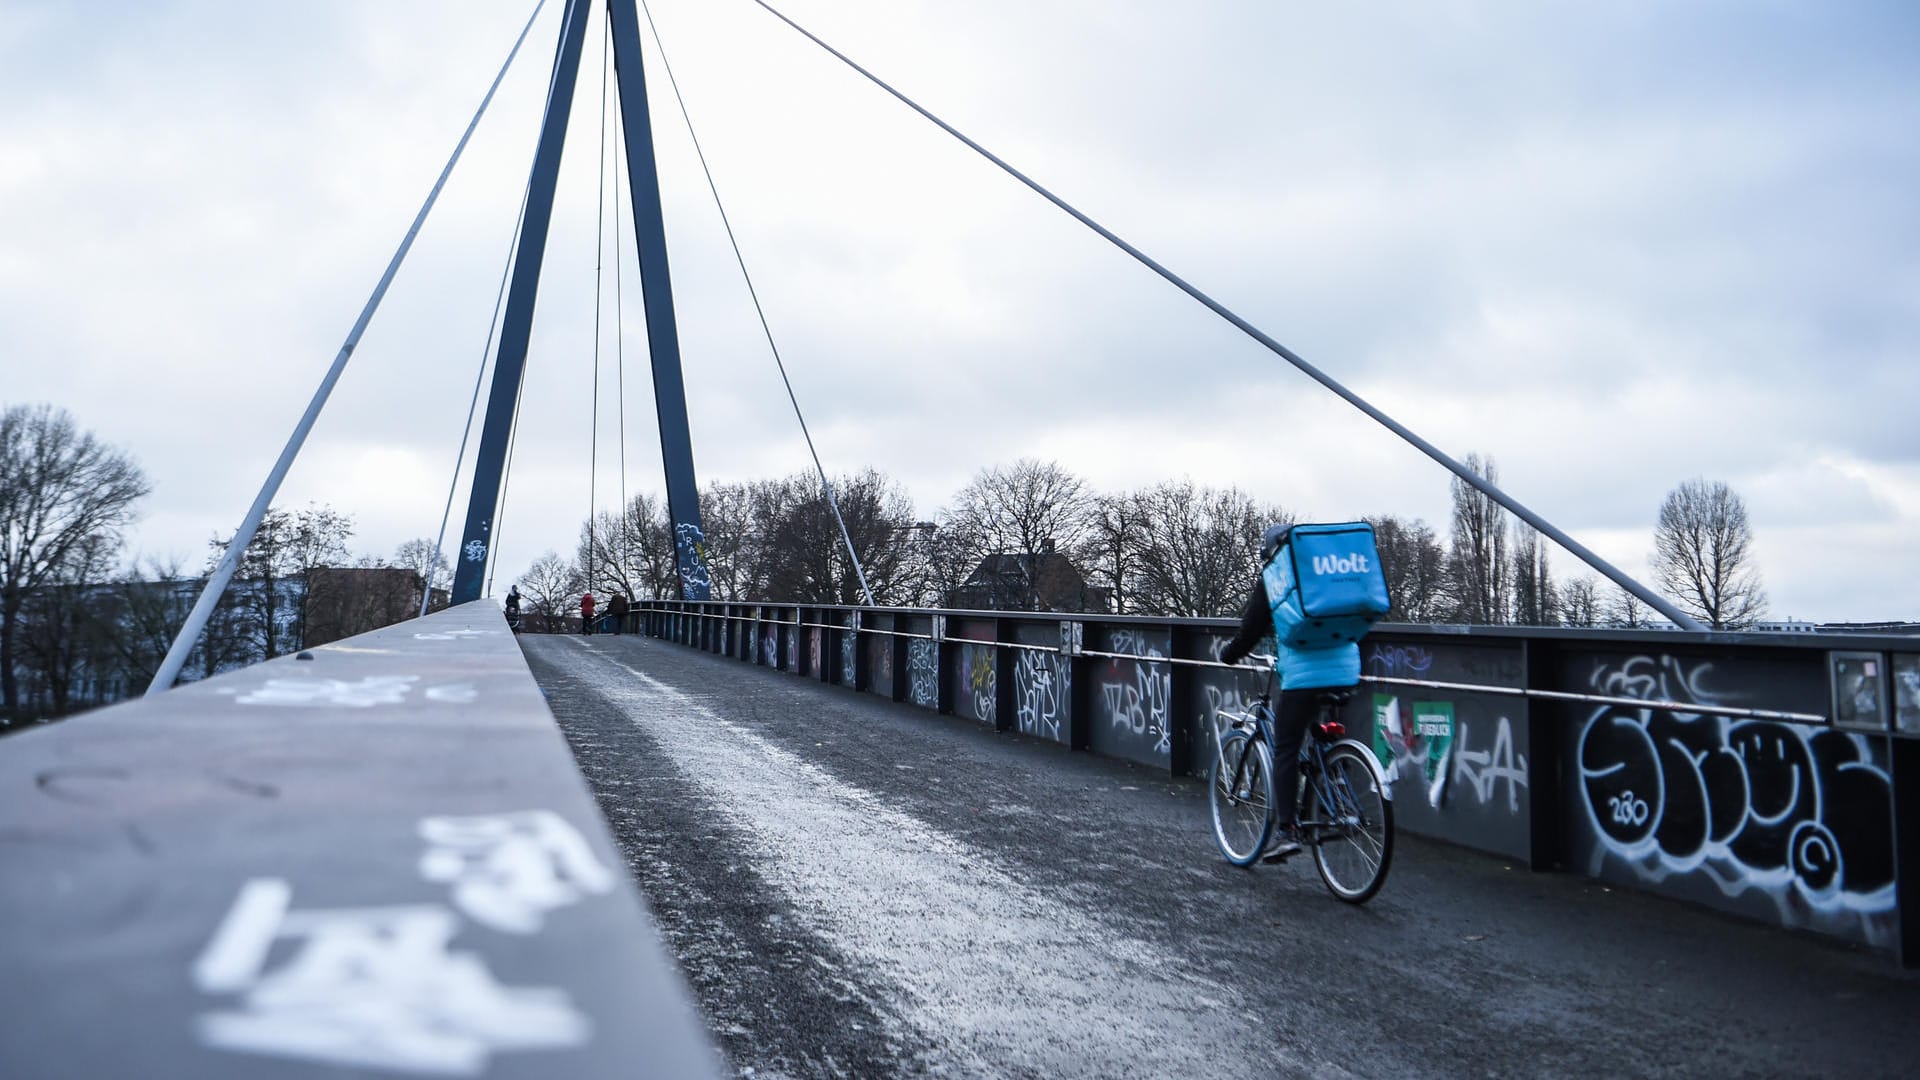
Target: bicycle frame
<point>1333,795</point>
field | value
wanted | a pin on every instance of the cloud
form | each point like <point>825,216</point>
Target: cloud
<point>1614,246</point>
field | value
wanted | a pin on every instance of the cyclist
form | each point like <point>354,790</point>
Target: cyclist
<point>1304,675</point>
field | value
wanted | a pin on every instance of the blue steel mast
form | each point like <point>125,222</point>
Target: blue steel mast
<point>656,286</point>
<point>662,333</point>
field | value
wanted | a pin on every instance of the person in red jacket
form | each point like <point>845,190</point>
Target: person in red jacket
<point>586,613</point>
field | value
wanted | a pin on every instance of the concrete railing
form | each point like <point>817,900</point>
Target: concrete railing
<point>1761,774</point>
<point>376,856</point>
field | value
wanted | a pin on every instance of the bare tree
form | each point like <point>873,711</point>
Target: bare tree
<point>1025,508</point>
<point>1580,602</point>
<point>68,634</point>
<point>1627,610</point>
<point>1112,559</point>
<point>805,556</point>
<point>1196,548</point>
<point>550,588</point>
<point>726,518</point>
<point>271,594</point>
<point>1535,602</point>
<point>631,553</point>
<point>60,490</point>
<point>420,557</point>
<point>1703,552</point>
<point>1415,566</point>
<point>1479,564</point>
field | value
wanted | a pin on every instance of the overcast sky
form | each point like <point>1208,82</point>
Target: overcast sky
<point>1613,246</point>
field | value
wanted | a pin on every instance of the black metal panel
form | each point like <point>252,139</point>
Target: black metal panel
<point>976,684</point>
<point>1129,702</point>
<point>296,865</point>
<point>923,674</point>
<point>1456,761</point>
<point>880,650</point>
<point>1213,697</point>
<point>1787,822</point>
<point>1819,855</point>
<point>1041,692</point>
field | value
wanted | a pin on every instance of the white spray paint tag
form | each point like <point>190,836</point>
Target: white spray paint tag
<point>367,987</point>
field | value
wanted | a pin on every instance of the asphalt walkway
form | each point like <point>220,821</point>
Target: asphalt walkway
<point>856,888</point>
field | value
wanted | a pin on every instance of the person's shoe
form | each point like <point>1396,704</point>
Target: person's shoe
<point>1284,844</point>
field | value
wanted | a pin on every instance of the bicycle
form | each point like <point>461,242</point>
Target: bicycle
<point>1344,813</point>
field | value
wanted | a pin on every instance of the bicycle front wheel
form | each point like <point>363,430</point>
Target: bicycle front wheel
<point>1241,791</point>
<point>1353,820</point>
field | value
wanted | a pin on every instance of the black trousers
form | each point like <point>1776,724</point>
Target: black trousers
<point>1294,711</point>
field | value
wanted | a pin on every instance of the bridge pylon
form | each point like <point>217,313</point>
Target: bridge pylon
<point>663,336</point>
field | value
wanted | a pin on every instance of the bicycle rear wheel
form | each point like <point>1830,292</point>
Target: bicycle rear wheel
<point>1241,791</point>
<point>1353,842</point>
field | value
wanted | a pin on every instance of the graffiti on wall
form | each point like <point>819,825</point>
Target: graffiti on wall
<point>813,651</point>
<point>923,674</point>
<point>1039,693</point>
<point>1137,696</point>
<point>880,662</point>
<point>769,646</point>
<point>846,659</point>
<point>690,545</point>
<point>977,680</point>
<point>1796,814</point>
<point>1423,744</point>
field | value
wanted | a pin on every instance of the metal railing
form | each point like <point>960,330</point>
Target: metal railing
<point>1758,773</point>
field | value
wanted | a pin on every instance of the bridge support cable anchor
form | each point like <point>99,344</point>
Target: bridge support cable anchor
<point>1473,479</point>
<point>216,586</point>
<point>825,486</point>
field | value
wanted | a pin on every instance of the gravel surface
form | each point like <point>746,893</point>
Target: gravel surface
<point>858,888</point>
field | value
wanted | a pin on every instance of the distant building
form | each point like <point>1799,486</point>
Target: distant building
<point>1033,581</point>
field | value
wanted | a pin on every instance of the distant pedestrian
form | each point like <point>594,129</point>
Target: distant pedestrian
<point>617,612</point>
<point>586,613</point>
<point>513,609</point>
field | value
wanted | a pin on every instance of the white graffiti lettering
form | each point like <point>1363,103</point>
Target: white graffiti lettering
<point>508,870</point>
<point>370,988</point>
<point>1480,771</point>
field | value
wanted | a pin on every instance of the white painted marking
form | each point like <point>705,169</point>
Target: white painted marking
<point>239,947</point>
<point>453,694</point>
<point>509,870</point>
<point>368,988</point>
<point>329,693</point>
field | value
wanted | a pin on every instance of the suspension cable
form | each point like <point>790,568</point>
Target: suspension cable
<point>473,406</point>
<point>825,486</point>
<point>1579,550</point>
<point>183,643</point>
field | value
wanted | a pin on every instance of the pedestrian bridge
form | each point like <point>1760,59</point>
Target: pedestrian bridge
<point>833,841</point>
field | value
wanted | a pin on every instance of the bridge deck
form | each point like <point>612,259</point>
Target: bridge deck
<point>857,887</point>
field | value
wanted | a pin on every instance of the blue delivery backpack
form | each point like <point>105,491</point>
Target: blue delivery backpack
<point>1330,586</point>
